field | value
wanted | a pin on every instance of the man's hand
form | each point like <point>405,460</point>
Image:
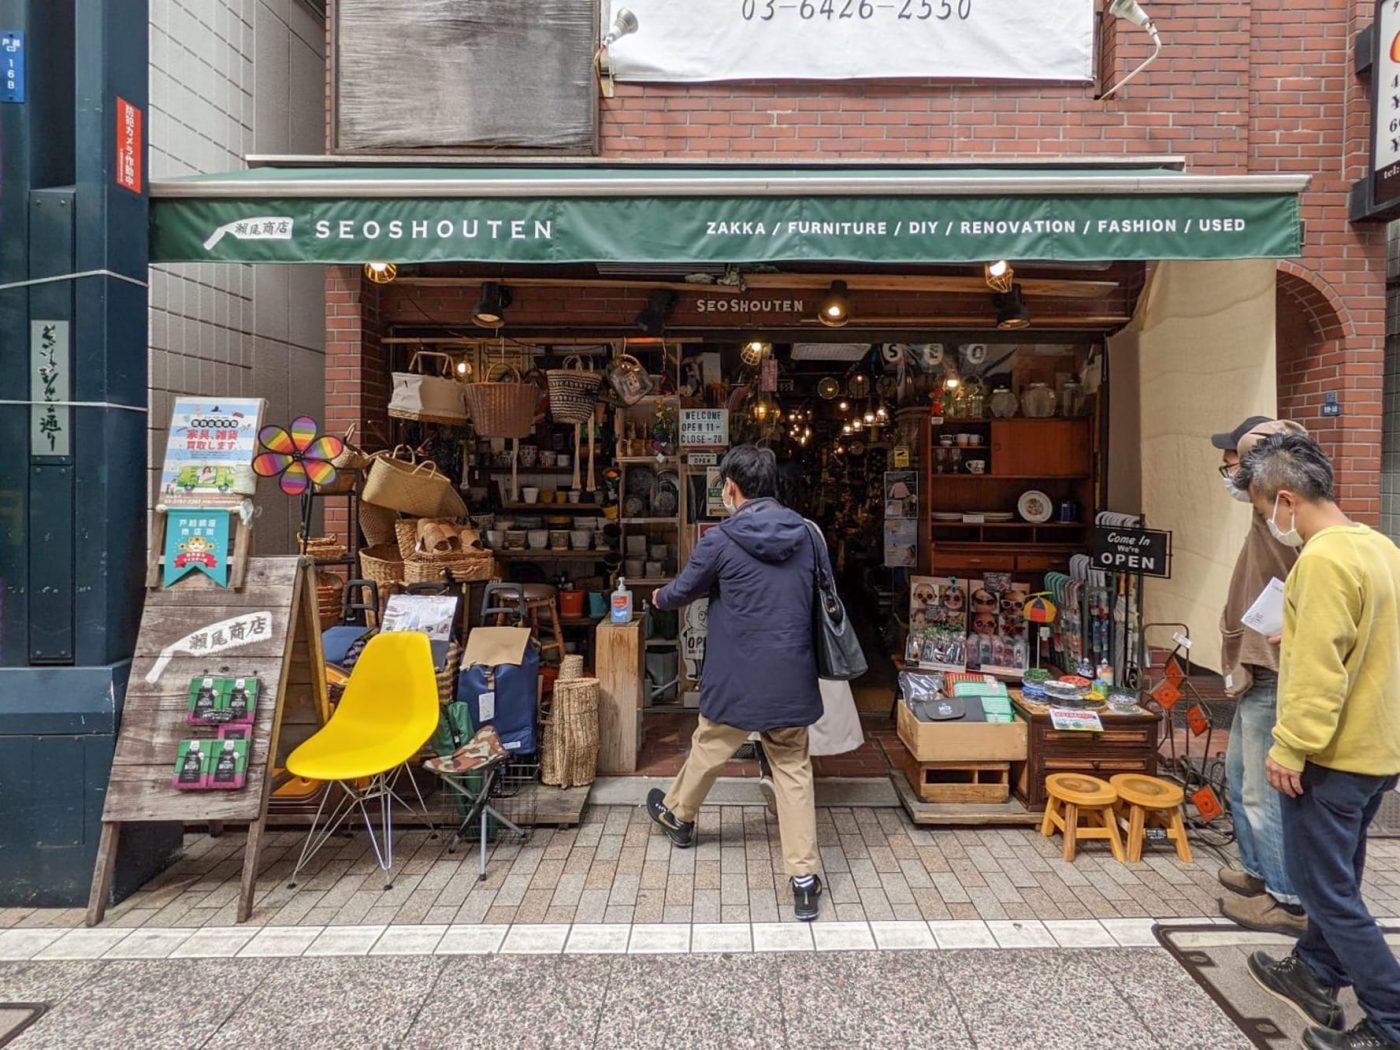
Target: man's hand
<point>1283,779</point>
<point>654,594</point>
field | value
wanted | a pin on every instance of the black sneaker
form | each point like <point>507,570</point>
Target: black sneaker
<point>1364,1036</point>
<point>804,899</point>
<point>1288,979</point>
<point>680,832</point>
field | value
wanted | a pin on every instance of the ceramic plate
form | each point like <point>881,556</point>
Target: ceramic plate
<point>1035,507</point>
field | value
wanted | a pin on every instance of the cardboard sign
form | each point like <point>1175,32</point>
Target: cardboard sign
<point>704,426</point>
<point>1074,720</point>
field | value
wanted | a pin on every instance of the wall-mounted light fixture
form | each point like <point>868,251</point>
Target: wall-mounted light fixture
<point>1131,11</point>
<point>623,25</point>
<point>490,309</point>
<point>999,275</point>
<point>381,272</point>
<point>835,309</point>
<point>652,318</point>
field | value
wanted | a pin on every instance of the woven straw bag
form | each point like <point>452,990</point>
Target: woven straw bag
<point>573,391</point>
<point>569,742</point>
<point>398,480</point>
<point>503,409</point>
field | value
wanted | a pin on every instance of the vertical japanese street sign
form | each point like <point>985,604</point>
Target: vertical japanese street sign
<point>128,173</point>
<point>11,65</point>
<point>1385,85</point>
<point>50,383</point>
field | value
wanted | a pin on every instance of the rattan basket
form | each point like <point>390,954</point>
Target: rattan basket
<point>382,564</point>
<point>569,737</point>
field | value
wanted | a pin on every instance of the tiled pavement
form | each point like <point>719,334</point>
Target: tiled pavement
<point>612,869</point>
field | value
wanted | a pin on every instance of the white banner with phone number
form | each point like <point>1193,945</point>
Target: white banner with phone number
<point>713,40</point>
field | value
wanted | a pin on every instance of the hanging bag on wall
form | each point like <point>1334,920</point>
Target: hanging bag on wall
<point>399,481</point>
<point>422,396</point>
<point>839,655</point>
<point>502,408</point>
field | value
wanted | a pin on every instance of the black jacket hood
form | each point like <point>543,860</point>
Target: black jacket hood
<point>767,530</point>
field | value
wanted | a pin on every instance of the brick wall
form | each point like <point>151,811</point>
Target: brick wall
<point>1259,86</point>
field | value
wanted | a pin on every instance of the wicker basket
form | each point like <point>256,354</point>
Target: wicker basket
<point>468,568</point>
<point>503,409</point>
<point>381,563</point>
<point>569,739</point>
<point>573,391</point>
<point>330,597</point>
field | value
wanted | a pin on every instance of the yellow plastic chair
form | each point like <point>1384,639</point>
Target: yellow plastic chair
<point>389,711</point>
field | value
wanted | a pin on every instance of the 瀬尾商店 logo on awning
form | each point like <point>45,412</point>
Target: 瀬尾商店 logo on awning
<point>262,228</point>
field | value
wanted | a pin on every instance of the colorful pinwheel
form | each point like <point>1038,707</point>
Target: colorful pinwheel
<point>297,459</point>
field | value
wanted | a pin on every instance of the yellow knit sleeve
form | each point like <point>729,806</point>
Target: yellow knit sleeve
<point>1322,611</point>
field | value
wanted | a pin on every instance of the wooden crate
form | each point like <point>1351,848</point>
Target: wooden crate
<point>979,782</point>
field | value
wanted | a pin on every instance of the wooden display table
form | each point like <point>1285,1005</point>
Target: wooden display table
<point>1128,744</point>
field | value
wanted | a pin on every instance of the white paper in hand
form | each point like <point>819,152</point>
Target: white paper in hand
<point>1266,614</point>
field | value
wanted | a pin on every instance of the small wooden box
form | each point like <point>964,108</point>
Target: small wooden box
<point>983,782</point>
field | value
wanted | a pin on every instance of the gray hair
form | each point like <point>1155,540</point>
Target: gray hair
<point>1288,462</point>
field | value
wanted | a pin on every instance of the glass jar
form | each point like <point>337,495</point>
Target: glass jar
<point>1003,403</point>
<point>1071,399</point>
<point>1038,401</point>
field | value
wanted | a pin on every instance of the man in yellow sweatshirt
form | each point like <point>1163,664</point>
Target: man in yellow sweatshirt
<point>1336,746</point>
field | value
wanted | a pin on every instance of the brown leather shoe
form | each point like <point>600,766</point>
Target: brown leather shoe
<point>1241,882</point>
<point>1264,914</point>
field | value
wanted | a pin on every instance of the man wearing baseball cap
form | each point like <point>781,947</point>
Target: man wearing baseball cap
<point>1264,897</point>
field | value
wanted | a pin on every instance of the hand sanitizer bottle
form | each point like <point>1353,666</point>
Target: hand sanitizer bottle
<point>622,602</point>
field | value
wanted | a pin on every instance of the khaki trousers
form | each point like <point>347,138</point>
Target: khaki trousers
<point>713,745</point>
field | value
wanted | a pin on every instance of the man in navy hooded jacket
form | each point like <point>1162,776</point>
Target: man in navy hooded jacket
<point>760,674</point>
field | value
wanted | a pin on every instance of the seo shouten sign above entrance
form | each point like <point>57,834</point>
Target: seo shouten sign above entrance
<point>713,40</point>
<point>727,216</point>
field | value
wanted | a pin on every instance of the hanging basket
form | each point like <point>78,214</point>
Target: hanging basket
<point>503,409</point>
<point>573,391</point>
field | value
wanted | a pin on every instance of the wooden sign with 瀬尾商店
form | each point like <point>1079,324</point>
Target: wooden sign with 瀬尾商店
<point>208,660</point>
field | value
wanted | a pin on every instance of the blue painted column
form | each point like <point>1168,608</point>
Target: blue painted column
<point>73,398</point>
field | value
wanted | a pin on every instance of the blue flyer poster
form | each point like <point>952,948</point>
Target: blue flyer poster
<point>196,539</point>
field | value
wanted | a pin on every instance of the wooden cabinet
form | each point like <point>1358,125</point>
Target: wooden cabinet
<point>1128,744</point>
<point>1036,448</point>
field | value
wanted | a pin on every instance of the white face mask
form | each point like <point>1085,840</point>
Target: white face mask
<point>1288,537</point>
<point>1237,494</point>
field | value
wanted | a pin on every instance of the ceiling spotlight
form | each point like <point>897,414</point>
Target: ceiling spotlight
<point>1131,11</point>
<point>835,309</point>
<point>999,275</point>
<point>1012,312</point>
<point>490,309</point>
<point>381,272</point>
<point>652,318</point>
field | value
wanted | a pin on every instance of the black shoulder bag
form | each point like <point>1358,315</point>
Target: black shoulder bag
<point>839,656</point>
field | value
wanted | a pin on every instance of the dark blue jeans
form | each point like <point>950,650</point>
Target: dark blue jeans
<point>1324,832</point>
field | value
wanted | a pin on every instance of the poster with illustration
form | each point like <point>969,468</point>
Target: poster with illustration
<point>997,636</point>
<point>209,450</point>
<point>937,623</point>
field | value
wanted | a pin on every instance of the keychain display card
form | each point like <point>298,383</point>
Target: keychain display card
<point>221,701</point>
<point>191,765</point>
<point>229,764</point>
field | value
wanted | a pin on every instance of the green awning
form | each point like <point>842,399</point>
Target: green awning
<point>637,214</point>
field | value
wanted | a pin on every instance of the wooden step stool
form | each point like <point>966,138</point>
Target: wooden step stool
<point>1081,807</point>
<point>1145,802</point>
